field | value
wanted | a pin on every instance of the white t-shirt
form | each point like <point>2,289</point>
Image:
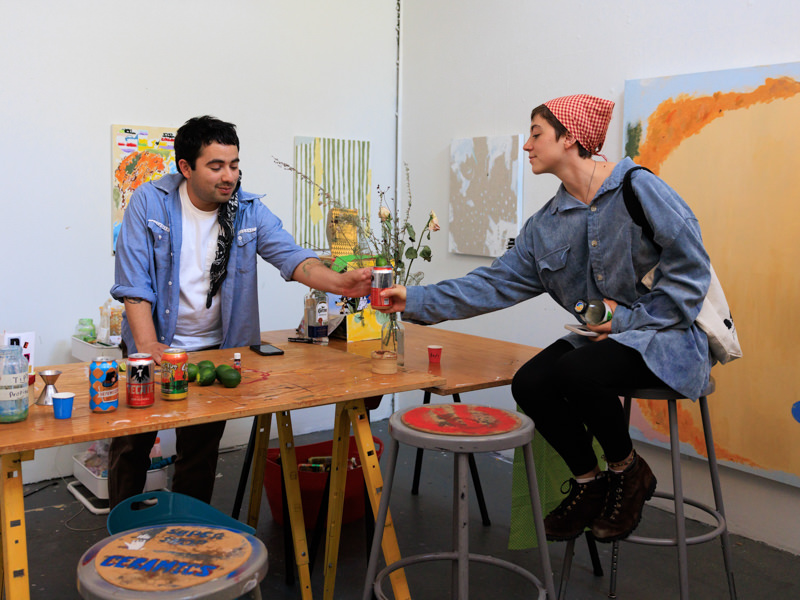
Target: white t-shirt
<point>198,327</point>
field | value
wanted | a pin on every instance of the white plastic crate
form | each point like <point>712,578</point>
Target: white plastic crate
<point>84,351</point>
<point>156,478</point>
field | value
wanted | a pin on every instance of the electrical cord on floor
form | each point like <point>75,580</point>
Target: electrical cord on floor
<point>67,525</point>
<point>83,508</point>
<point>39,489</point>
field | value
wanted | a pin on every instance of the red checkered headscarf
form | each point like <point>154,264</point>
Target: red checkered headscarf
<point>585,117</point>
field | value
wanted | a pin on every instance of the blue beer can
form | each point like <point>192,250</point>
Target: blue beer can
<point>103,384</point>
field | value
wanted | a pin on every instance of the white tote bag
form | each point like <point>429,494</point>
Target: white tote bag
<point>715,315</point>
<point>715,319</point>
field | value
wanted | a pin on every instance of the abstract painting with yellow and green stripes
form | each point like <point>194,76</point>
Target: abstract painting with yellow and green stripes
<point>341,168</point>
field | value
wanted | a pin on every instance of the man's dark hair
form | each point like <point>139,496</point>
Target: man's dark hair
<point>202,131</point>
<point>548,116</point>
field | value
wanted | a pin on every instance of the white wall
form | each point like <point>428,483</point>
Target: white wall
<point>475,68</point>
<point>276,69</point>
<point>72,69</point>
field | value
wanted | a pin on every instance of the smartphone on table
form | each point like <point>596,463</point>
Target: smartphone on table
<point>266,349</point>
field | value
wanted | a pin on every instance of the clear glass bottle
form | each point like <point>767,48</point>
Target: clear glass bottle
<point>13,385</point>
<point>594,311</point>
<point>316,316</point>
<point>393,337</point>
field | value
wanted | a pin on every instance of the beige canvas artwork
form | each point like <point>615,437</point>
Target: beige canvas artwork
<point>485,194</point>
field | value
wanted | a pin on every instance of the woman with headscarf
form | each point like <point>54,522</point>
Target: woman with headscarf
<point>582,245</point>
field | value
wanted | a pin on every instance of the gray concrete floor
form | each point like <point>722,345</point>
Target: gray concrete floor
<point>59,531</point>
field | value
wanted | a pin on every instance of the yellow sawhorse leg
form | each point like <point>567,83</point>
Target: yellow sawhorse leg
<point>263,424</point>
<point>354,413</point>
<point>297,523</point>
<point>13,541</point>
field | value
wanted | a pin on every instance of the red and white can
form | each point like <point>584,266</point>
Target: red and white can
<point>141,384</point>
<point>382,279</point>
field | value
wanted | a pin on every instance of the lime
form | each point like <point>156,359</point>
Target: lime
<point>192,370</point>
<point>205,363</point>
<point>206,376</point>
<point>221,369</point>
<point>229,377</point>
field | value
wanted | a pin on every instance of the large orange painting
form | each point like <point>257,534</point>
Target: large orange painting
<point>727,142</point>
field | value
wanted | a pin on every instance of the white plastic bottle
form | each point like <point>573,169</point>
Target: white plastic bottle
<point>104,331</point>
<point>316,316</point>
<point>155,453</point>
<point>594,311</point>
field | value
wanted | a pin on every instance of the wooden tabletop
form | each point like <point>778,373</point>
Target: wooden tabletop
<point>468,363</point>
<point>306,375</point>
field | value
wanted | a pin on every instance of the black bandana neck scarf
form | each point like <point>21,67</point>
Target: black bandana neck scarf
<point>226,216</point>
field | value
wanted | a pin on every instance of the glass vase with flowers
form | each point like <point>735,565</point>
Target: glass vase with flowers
<point>399,245</point>
<point>395,244</point>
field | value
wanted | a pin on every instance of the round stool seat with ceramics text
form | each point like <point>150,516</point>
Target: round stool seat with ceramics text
<point>167,562</point>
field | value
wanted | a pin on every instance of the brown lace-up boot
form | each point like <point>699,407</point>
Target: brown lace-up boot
<point>627,493</point>
<point>577,511</point>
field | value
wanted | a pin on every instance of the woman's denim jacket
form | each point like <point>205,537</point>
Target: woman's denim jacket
<point>573,252</point>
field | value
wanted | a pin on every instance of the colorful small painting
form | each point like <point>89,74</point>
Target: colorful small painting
<point>139,154</point>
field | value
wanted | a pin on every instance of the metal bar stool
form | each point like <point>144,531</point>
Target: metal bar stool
<point>681,541</point>
<point>461,429</point>
<point>473,469</point>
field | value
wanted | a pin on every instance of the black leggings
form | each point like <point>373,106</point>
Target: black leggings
<point>570,395</point>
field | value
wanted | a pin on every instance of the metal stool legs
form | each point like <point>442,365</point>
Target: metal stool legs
<point>569,553</point>
<point>681,540</point>
<point>461,555</point>
<point>716,487</point>
<point>473,469</point>
<point>380,520</point>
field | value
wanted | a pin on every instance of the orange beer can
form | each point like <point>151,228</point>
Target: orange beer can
<point>174,374</point>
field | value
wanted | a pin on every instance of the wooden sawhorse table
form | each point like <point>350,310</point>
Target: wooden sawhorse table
<point>305,376</point>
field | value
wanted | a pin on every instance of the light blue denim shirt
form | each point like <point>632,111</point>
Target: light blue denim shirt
<point>573,252</point>
<point>148,261</point>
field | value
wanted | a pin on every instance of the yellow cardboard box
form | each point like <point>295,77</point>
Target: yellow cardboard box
<point>366,323</point>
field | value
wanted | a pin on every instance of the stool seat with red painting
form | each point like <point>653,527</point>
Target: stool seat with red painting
<point>168,562</point>
<point>462,429</point>
<point>456,427</point>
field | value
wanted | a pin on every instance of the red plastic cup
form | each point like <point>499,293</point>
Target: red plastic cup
<point>434,354</point>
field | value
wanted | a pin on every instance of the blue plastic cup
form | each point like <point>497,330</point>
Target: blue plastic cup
<point>62,404</point>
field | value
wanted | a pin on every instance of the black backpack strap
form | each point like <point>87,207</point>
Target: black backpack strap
<point>635,207</point>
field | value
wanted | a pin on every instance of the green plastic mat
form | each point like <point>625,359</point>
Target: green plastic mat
<point>551,473</point>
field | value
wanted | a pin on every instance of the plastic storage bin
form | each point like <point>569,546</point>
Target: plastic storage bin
<point>312,485</point>
<point>156,478</point>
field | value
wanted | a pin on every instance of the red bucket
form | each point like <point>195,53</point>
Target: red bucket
<point>312,485</point>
